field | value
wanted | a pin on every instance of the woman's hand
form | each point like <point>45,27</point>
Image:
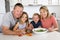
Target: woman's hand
<point>50,29</point>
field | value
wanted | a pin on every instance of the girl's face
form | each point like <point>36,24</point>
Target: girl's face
<point>35,18</point>
<point>43,13</point>
<point>24,18</point>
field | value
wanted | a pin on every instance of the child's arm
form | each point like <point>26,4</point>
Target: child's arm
<point>30,27</point>
<point>40,25</point>
<point>16,26</point>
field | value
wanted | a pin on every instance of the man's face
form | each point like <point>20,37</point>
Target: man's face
<point>17,12</point>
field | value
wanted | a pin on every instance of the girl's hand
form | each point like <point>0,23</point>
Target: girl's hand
<point>19,32</point>
<point>23,31</point>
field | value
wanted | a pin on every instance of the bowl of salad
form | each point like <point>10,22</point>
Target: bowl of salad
<point>39,30</point>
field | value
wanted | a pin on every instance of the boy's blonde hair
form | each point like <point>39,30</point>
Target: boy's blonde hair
<point>37,15</point>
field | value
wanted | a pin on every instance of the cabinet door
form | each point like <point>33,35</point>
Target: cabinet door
<point>12,3</point>
<point>59,2</point>
<point>55,2</point>
<point>44,2</point>
<point>27,2</point>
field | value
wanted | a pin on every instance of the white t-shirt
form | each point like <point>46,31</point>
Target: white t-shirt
<point>21,26</point>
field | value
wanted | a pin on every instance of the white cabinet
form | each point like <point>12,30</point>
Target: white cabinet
<point>55,2</point>
<point>33,2</point>
<point>27,2</point>
<point>59,2</point>
<point>44,2</point>
<point>12,3</point>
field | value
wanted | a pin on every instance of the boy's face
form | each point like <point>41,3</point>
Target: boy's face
<point>35,18</point>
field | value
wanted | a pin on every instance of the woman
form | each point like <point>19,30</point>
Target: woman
<point>48,21</point>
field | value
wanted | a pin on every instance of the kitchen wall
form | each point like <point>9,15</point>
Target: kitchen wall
<point>52,8</point>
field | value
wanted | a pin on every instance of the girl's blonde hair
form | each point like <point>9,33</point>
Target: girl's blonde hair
<point>27,21</point>
<point>45,8</point>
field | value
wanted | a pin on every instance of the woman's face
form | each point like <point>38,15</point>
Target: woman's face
<point>24,18</point>
<point>43,13</point>
<point>35,18</point>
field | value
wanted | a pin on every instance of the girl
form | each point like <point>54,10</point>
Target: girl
<point>48,21</point>
<point>22,24</point>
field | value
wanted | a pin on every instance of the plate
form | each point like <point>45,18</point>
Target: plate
<point>39,30</point>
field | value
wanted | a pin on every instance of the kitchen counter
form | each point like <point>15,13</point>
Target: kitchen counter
<point>47,36</point>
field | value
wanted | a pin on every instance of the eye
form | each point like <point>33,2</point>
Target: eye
<point>20,11</point>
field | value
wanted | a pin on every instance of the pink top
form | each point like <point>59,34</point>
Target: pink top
<point>49,22</point>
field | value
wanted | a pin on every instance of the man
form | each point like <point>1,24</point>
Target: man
<point>11,18</point>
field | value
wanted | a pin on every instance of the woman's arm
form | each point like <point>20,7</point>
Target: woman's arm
<point>55,25</point>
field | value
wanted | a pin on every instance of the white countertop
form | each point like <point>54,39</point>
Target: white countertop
<point>47,36</point>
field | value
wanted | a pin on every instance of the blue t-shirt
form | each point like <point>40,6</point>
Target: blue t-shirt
<point>36,25</point>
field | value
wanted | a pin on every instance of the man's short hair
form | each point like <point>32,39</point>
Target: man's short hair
<point>18,4</point>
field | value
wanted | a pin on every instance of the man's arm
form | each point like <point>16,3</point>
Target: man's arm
<point>6,25</point>
<point>7,31</point>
